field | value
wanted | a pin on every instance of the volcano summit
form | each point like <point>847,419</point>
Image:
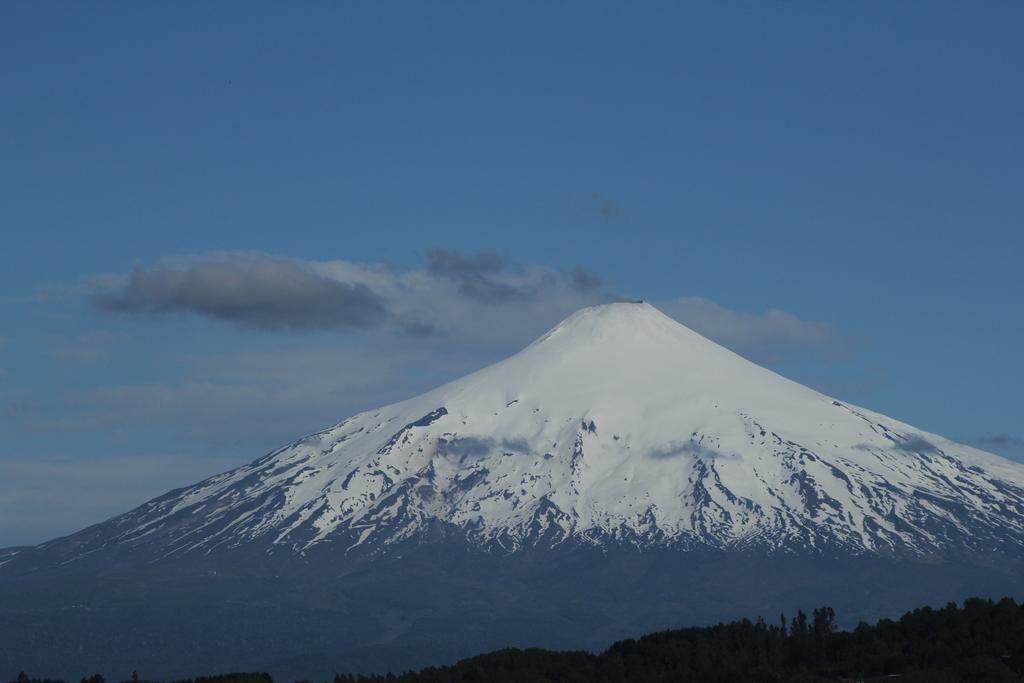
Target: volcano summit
<point>620,473</point>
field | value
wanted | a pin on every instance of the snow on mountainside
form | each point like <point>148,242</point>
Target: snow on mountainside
<point>619,426</point>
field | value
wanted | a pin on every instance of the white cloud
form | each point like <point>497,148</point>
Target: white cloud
<point>453,293</point>
<point>469,299</point>
<point>255,290</point>
<point>762,336</point>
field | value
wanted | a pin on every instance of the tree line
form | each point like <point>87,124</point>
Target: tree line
<point>979,641</point>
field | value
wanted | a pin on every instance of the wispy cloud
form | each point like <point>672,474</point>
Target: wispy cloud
<point>1002,443</point>
<point>675,449</point>
<point>915,444</point>
<point>1000,440</point>
<point>485,276</point>
<point>606,207</point>
<point>45,497</point>
<point>477,297</point>
<point>241,402</point>
<point>274,293</point>
<point>254,290</point>
<point>763,336</point>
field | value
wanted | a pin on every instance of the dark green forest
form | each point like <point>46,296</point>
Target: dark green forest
<point>980,641</point>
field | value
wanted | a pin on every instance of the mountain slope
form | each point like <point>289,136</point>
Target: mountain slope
<point>618,426</point>
<point>621,474</point>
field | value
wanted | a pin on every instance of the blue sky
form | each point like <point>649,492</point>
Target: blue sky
<point>228,224</point>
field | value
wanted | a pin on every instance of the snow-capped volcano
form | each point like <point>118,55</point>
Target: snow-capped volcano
<point>621,474</point>
<point>618,426</point>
